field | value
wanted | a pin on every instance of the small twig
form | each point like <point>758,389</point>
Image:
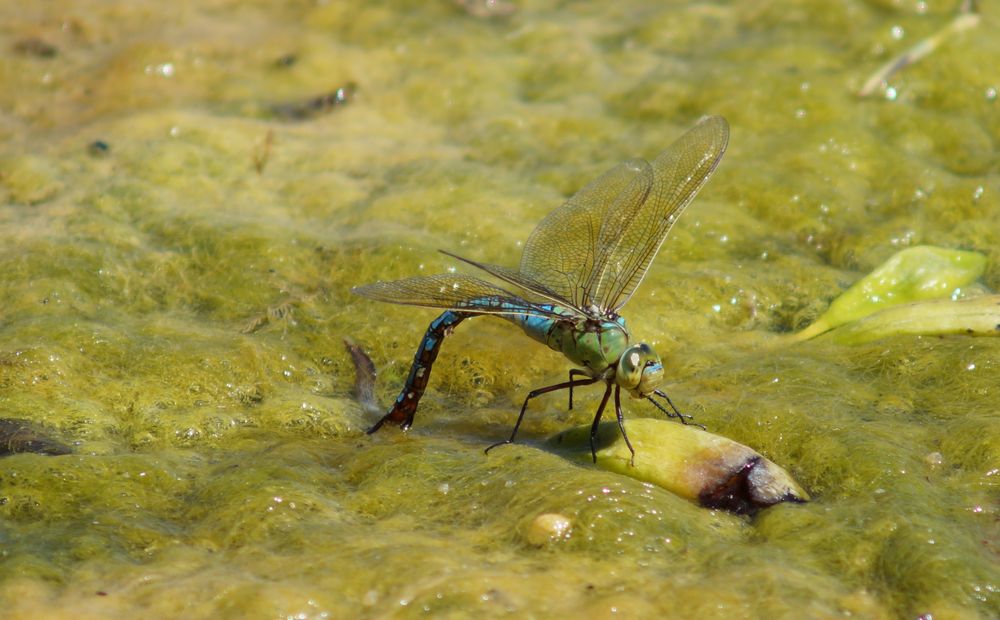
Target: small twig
<point>262,153</point>
<point>965,20</point>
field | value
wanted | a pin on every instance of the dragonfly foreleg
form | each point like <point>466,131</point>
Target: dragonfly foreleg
<point>405,407</point>
<point>533,393</point>
<point>621,423</point>
<point>683,417</point>
<point>572,373</point>
<point>597,421</point>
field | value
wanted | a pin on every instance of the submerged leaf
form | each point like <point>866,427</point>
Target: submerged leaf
<point>692,463</point>
<point>977,316</point>
<point>915,274</point>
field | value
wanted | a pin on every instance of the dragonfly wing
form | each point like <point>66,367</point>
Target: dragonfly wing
<point>524,281</point>
<point>454,292</point>
<point>561,253</point>
<point>636,223</point>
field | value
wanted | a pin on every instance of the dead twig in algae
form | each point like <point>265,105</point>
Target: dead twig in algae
<point>966,19</point>
<point>262,153</point>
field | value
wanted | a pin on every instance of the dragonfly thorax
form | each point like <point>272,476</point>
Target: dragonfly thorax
<point>639,370</point>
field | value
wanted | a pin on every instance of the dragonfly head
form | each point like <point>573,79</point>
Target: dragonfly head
<point>640,370</point>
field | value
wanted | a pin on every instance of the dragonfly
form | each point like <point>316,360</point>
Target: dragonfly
<point>578,268</point>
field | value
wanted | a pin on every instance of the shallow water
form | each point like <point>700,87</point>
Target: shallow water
<point>176,298</point>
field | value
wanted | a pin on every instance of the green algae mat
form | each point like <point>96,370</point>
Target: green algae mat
<point>188,192</point>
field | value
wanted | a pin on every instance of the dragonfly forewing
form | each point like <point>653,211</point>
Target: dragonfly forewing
<point>632,232</point>
<point>454,291</point>
<point>561,252</point>
<point>524,281</point>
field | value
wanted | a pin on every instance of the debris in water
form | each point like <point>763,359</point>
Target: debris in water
<point>24,436</point>
<point>33,46</point>
<point>967,18</point>
<point>315,106</point>
<point>364,378</point>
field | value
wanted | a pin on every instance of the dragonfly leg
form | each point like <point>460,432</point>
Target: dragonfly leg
<point>572,373</point>
<point>683,417</point>
<point>539,392</point>
<point>405,407</point>
<point>597,421</point>
<point>621,423</point>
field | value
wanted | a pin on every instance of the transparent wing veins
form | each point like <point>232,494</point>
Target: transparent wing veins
<point>453,292</point>
<point>636,224</point>
<point>589,254</point>
<point>521,280</point>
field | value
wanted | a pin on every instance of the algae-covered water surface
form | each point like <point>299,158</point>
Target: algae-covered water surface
<point>189,190</point>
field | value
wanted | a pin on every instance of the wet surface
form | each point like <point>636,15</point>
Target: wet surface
<point>175,308</point>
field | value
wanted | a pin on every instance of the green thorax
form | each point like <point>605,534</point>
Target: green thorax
<point>594,345</point>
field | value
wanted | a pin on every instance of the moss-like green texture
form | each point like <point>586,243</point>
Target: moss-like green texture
<point>174,307</point>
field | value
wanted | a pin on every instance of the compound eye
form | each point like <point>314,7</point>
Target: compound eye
<point>632,360</point>
<point>630,367</point>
